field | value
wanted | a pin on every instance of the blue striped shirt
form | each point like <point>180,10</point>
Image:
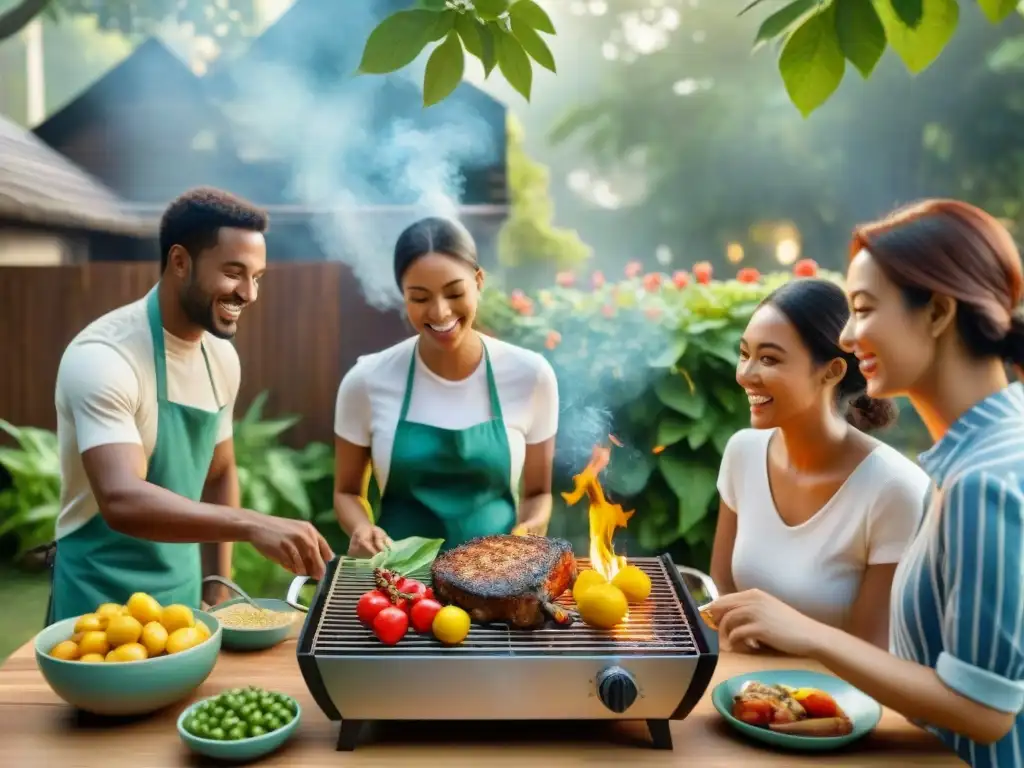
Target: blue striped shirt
<point>958,593</point>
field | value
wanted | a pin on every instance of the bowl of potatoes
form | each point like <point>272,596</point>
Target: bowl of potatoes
<point>129,659</point>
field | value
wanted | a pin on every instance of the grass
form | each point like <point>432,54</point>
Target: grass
<point>23,598</point>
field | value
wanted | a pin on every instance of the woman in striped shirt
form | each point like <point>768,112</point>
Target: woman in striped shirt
<point>934,291</point>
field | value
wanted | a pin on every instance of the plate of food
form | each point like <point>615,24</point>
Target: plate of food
<point>796,708</point>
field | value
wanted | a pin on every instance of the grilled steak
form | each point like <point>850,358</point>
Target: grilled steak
<point>508,579</point>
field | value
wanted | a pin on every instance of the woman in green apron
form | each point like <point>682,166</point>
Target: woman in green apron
<point>458,427</point>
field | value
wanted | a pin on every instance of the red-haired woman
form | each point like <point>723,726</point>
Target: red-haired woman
<point>934,291</point>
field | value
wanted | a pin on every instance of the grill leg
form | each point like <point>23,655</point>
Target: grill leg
<point>661,735</point>
<point>349,733</point>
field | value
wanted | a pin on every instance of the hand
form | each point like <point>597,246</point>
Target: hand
<point>367,541</point>
<point>293,544</point>
<point>215,594</point>
<point>755,618</point>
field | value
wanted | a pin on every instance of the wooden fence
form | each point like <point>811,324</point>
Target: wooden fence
<point>305,331</point>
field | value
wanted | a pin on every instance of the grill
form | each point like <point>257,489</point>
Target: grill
<point>654,667</point>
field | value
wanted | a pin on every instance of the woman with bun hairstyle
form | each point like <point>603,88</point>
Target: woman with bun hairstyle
<point>813,510</point>
<point>935,290</point>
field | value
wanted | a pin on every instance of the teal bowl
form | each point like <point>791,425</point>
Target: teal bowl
<point>863,711</point>
<point>128,688</point>
<point>242,750</point>
<point>246,639</point>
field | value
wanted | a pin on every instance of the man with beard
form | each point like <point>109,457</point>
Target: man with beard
<point>144,421</point>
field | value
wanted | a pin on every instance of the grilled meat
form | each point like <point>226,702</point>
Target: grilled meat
<point>508,579</point>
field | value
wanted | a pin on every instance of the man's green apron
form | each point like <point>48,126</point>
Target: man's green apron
<point>95,564</point>
<point>451,484</point>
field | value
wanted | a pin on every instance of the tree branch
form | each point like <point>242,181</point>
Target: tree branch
<point>16,19</point>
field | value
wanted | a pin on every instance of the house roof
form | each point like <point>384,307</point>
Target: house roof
<point>41,186</point>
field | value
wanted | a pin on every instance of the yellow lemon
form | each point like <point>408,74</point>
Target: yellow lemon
<point>603,606</point>
<point>144,608</point>
<point>585,581</point>
<point>634,583</point>
<point>91,658</point>
<point>203,630</point>
<point>128,652</point>
<point>94,642</point>
<point>123,630</point>
<point>66,650</point>
<point>90,622</point>
<point>175,617</point>
<point>451,625</point>
<point>110,610</point>
<point>183,639</point>
<point>154,637</point>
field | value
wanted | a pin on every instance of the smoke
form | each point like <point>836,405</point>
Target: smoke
<point>360,149</point>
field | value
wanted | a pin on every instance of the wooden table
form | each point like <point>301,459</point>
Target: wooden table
<point>37,728</point>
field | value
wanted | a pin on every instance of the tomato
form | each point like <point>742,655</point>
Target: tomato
<point>753,711</point>
<point>817,703</point>
<point>411,587</point>
<point>423,613</point>
<point>748,275</point>
<point>805,268</point>
<point>703,271</point>
<point>390,625</point>
<point>370,605</point>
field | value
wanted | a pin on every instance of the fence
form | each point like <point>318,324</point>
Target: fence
<point>308,327</point>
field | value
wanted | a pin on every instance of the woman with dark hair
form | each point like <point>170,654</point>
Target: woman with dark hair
<point>451,421</point>
<point>806,484</point>
<point>935,291</point>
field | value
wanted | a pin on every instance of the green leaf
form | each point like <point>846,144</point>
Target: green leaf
<point>694,484</point>
<point>861,34</point>
<point>672,429</point>
<point>398,40</point>
<point>534,45</point>
<point>779,22</point>
<point>702,430</point>
<point>811,63</point>
<point>674,391</point>
<point>489,56</point>
<point>434,5</point>
<point>721,437</point>
<point>469,31</point>
<point>671,354</point>
<point>528,12</point>
<point>283,476</point>
<point>910,12</point>
<point>407,555</point>
<point>1008,55</point>
<point>998,10</point>
<point>920,46</point>
<point>489,10</point>
<point>444,70</point>
<point>514,63</point>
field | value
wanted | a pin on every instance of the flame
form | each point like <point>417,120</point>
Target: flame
<point>605,517</point>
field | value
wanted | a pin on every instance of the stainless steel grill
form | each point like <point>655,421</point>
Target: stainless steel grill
<point>659,626</point>
<point>655,666</point>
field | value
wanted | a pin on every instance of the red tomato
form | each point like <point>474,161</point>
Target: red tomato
<point>753,711</point>
<point>748,275</point>
<point>409,586</point>
<point>390,625</point>
<point>371,604</point>
<point>703,271</point>
<point>423,613</point>
<point>819,704</point>
<point>805,268</point>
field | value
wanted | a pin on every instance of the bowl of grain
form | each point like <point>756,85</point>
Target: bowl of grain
<point>248,628</point>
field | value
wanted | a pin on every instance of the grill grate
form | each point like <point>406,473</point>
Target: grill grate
<point>657,627</point>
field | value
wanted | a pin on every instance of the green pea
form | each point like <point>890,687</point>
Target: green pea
<point>252,695</point>
<point>203,717</point>
<point>237,733</point>
<point>257,730</point>
<point>266,703</point>
<point>272,723</point>
<point>236,691</point>
<point>217,734</point>
<point>255,718</point>
<point>218,711</point>
<point>229,722</point>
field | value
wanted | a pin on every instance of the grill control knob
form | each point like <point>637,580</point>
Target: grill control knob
<point>616,688</point>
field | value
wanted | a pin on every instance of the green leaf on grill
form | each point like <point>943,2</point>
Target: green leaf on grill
<point>407,555</point>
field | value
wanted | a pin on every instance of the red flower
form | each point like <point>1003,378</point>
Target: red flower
<point>553,339</point>
<point>521,303</point>
<point>597,279</point>
<point>681,278</point>
<point>633,269</point>
<point>652,281</point>
<point>565,279</point>
<point>703,271</point>
<point>805,268</point>
<point>748,275</point>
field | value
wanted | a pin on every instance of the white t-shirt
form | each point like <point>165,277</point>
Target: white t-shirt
<point>106,394</point>
<point>817,567</point>
<point>370,400</point>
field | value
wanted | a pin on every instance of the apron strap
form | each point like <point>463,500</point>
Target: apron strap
<point>492,387</point>
<point>156,329</point>
<point>408,384</point>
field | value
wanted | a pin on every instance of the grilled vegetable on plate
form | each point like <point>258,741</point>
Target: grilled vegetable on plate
<point>796,708</point>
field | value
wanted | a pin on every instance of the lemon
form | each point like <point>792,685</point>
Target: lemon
<point>183,639</point>
<point>144,608</point>
<point>175,617</point>
<point>603,606</point>
<point>634,583</point>
<point>90,622</point>
<point>585,581</point>
<point>451,625</point>
<point>122,630</point>
<point>154,637</point>
<point>94,642</point>
<point>128,652</point>
<point>203,630</point>
<point>65,650</point>
<point>110,610</point>
<point>91,658</point>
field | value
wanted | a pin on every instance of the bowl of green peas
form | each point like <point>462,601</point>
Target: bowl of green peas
<point>239,725</point>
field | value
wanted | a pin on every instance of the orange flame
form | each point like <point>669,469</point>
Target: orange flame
<point>605,517</point>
